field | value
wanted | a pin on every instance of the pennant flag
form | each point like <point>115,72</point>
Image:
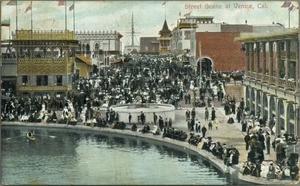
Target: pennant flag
<point>71,7</point>
<point>179,14</point>
<point>5,22</point>
<point>163,3</point>
<point>286,4</point>
<point>291,8</point>
<point>28,8</point>
<point>187,14</point>
<point>12,2</point>
<point>61,3</point>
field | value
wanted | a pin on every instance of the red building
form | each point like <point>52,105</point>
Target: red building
<point>221,49</point>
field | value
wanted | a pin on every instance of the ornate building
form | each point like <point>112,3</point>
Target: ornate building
<point>98,45</point>
<point>45,61</point>
<point>272,86</point>
<point>165,39</point>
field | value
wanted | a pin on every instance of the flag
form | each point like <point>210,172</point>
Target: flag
<point>163,3</point>
<point>286,4</point>
<point>61,3</point>
<point>71,7</point>
<point>5,22</point>
<point>187,14</point>
<point>291,8</point>
<point>28,8</point>
<point>12,2</point>
<point>179,14</point>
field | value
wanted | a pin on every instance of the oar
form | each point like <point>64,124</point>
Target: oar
<point>13,137</point>
<point>45,135</point>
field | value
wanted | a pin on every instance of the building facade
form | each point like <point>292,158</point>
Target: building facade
<point>44,61</point>
<point>149,45</point>
<point>98,45</point>
<point>221,50</point>
<point>271,84</point>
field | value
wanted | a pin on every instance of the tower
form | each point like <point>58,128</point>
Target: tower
<point>164,39</point>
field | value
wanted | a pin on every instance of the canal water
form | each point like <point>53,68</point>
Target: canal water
<point>62,157</point>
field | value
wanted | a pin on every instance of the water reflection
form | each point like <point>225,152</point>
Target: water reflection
<point>98,159</point>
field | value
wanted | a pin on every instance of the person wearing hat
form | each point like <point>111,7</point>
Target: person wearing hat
<point>268,142</point>
<point>271,172</point>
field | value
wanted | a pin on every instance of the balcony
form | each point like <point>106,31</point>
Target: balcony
<point>292,55</point>
<point>43,35</point>
<point>281,82</point>
<point>9,61</point>
<point>291,85</point>
<point>259,76</point>
<point>272,80</point>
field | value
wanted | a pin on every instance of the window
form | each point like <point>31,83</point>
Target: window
<point>24,80</point>
<point>41,80</point>
<point>59,80</point>
<point>187,34</point>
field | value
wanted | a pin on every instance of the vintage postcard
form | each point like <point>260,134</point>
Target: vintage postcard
<point>149,92</point>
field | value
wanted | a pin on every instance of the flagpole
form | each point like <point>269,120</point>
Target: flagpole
<point>289,17</point>
<point>16,16</point>
<point>165,10</point>
<point>31,22</point>
<point>74,17</point>
<point>66,16</point>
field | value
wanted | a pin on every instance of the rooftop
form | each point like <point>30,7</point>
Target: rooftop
<point>285,33</point>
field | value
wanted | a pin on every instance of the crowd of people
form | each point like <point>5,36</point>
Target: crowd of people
<point>162,82</point>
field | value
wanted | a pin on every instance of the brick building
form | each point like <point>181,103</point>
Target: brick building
<point>149,45</point>
<point>220,48</point>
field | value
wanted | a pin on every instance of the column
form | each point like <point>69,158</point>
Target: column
<point>257,59</point>
<point>297,69</point>
<point>285,116</point>
<point>264,61</point>
<point>247,48</point>
<point>271,60</point>
<point>277,61</point>
<point>287,62</point>
<point>277,117</point>
<point>251,57</point>
<point>297,120</point>
<point>262,104</point>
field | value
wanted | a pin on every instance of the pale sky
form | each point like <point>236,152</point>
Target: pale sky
<point>148,15</point>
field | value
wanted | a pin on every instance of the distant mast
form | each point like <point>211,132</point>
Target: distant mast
<point>132,30</point>
<point>132,47</point>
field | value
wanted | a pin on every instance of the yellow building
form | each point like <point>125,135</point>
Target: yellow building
<point>45,61</point>
<point>83,66</point>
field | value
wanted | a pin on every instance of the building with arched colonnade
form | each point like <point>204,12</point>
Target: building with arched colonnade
<point>271,83</point>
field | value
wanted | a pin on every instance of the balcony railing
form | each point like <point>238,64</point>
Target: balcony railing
<point>281,83</point>
<point>292,55</point>
<point>291,85</point>
<point>7,61</point>
<point>273,80</point>
<point>43,35</point>
<point>259,77</point>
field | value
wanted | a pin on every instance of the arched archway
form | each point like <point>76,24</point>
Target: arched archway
<point>247,97</point>
<point>281,119</point>
<point>290,118</point>
<point>252,101</point>
<point>206,66</point>
<point>265,106</point>
<point>258,103</point>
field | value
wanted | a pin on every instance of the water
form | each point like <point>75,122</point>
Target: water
<point>70,157</point>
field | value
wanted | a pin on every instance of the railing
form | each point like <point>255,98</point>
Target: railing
<point>291,85</point>
<point>44,35</point>
<point>292,55</point>
<point>43,88</point>
<point>252,74</point>
<point>265,78</point>
<point>259,76</point>
<point>8,61</point>
<point>281,82</point>
<point>273,80</point>
<point>44,65</point>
